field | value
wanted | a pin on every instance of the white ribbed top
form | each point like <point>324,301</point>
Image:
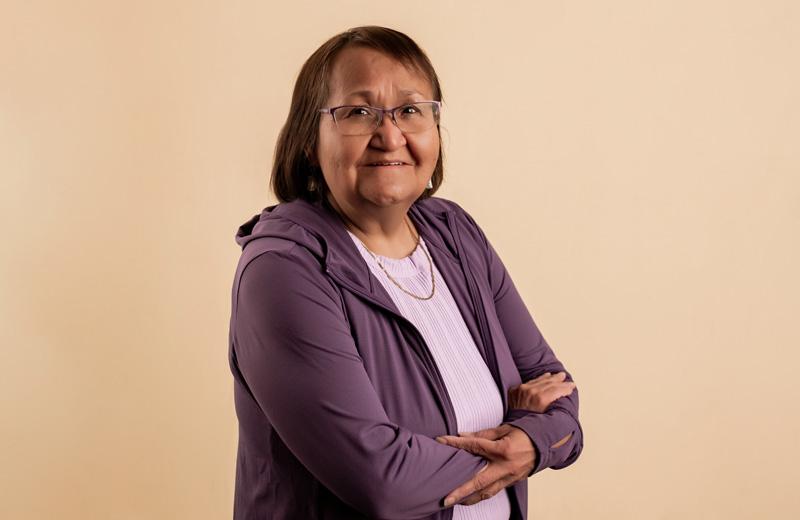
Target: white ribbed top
<point>474,394</point>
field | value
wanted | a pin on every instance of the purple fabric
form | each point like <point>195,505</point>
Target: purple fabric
<point>476,399</point>
<point>338,395</point>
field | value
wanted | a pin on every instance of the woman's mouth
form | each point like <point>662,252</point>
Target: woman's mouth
<point>386,165</point>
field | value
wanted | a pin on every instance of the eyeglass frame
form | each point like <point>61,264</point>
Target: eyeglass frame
<point>382,111</point>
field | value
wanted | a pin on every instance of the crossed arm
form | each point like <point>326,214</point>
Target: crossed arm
<point>511,453</point>
<point>296,352</point>
<point>545,408</point>
<point>299,373</point>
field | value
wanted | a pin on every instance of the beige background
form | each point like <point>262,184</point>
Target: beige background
<point>635,164</point>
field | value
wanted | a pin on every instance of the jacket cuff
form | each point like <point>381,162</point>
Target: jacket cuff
<point>545,430</point>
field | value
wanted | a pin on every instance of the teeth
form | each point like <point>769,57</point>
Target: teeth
<point>386,164</point>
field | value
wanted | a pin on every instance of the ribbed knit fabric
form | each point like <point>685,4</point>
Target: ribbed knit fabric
<point>473,392</point>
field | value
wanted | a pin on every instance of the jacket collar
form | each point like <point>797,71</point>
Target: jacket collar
<point>318,228</point>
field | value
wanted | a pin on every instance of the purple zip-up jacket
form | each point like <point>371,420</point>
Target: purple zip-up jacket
<point>339,400</point>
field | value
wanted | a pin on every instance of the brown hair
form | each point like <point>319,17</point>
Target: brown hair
<point>294,167</point>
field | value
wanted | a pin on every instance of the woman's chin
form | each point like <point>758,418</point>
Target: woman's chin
<point>390,194</point>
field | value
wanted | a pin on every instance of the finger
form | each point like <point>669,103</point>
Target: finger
<point>540,386</point>
<point>553,379</point>
<point>565,389</point>
<point>561,387</point>
<point>560,375</point>
<point>487,492</point>
<point>540,379</point>
<point>545,378</point>
<point>483,434</point>
<point>475,445</point>
<point>489,433</point>
<point>554,393</point>
<point>481,480</point>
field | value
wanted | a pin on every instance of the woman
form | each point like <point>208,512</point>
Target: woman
<point>371,320</point>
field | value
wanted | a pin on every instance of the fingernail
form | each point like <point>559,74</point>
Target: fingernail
<point>440,439</point>
<point>449,501</point>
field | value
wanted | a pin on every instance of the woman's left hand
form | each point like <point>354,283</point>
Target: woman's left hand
<point>511,458</point>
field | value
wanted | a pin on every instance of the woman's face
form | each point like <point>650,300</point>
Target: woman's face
<point>365,76</point>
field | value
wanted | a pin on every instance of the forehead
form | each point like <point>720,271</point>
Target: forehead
<point>363,73</point>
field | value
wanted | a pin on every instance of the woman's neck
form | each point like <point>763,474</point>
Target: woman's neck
<point>393,235</point>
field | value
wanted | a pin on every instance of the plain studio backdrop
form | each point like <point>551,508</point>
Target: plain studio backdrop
<point>634,163</point>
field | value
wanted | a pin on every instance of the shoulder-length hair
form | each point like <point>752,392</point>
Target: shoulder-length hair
<point>294,173</point>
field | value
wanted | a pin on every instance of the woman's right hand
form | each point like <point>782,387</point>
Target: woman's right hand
<point>537,394</point>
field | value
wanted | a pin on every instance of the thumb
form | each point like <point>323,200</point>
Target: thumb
<point>489,433</point>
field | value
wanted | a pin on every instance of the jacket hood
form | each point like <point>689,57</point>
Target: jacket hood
<point>319,229</point>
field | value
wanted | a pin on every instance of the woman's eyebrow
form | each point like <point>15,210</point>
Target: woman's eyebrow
<point>367,94</point>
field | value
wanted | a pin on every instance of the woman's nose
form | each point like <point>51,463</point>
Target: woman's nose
<point>388,135</point>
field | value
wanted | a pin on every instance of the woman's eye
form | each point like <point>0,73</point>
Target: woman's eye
<point>358,111</point>
<point>410,109</point>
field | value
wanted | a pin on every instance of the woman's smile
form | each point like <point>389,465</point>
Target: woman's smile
<point>385,166</point>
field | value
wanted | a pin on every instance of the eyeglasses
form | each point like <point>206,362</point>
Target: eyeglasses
<point>364,119</point>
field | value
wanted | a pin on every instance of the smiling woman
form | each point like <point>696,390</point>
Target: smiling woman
<point>356,185</point>
<point>374,326</point>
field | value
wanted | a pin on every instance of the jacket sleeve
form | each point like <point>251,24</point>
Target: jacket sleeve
<point>533,357</point>
<point>295,351</point>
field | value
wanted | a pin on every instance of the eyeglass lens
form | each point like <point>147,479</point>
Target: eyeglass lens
<point>363,120</point>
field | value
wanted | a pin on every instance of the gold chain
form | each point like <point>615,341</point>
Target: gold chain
<point>430,263</point>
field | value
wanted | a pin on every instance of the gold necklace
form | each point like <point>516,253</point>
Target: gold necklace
<point>430,263</point>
